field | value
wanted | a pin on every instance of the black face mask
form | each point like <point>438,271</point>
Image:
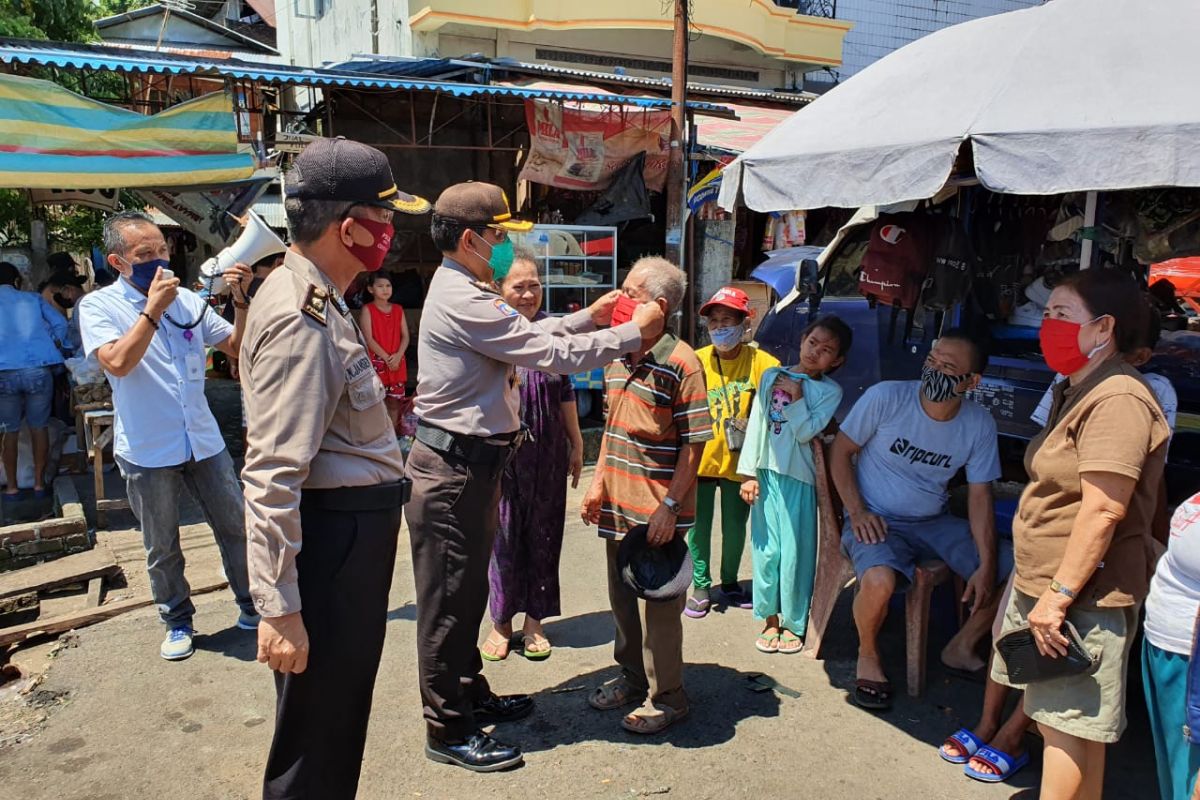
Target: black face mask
<point>939,387</point>
<point>64,302</point>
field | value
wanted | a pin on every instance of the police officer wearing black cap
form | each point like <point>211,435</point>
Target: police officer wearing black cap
<point>468,403</point>
<point>324,476</point>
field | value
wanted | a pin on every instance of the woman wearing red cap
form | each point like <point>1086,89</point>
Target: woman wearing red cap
<point>732,370</point>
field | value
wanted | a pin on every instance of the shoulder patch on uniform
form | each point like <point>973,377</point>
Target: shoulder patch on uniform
<point>336,297</point>
<point>315,303</point>
<point>504,308</point>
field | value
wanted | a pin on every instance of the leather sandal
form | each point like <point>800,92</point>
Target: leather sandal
<point>615,694</point>
<point>650,724</point>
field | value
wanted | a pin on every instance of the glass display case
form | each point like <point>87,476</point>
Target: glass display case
<point>577,263</point>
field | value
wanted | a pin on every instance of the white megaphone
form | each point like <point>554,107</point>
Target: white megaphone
<point>256,243</point>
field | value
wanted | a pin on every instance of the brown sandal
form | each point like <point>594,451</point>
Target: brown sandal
<point>649,725</point>
<point>615,694</point>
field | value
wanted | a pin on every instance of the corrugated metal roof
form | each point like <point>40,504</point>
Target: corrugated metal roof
<point>443,67</point>
<point>79,56</point>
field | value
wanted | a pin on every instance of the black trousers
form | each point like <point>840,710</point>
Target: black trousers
<point>452,522</point>
<point>321,715</point>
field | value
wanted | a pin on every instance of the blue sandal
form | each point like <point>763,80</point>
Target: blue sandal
<point>966,741</point>
<point>1005,765</point>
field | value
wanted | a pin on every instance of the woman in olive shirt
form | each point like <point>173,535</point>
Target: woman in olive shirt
<point>1082,534</point>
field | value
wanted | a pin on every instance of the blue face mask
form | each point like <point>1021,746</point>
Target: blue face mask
<point>726,338</point>
<point>143,273</point>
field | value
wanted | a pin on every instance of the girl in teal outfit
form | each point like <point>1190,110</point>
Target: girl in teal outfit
<point>792,405</point>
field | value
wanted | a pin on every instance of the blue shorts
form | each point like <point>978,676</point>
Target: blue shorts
<point>909,542</point>
<point>25,394</point>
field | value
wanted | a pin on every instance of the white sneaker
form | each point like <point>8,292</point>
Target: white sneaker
<point>248,622</point>
<point>178,644</point>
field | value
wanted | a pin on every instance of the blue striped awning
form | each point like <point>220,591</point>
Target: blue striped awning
<point>116,59</point>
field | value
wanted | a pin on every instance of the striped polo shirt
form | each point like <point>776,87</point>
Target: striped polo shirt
<point>654,408</point>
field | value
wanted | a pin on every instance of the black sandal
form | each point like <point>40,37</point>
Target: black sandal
<point>873,695</point>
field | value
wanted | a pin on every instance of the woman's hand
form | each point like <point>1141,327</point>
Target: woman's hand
<point>1046,621</point>
<point>749,491</point>
<point>575,466</point>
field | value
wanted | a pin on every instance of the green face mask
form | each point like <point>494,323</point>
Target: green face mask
<point>501,260</point>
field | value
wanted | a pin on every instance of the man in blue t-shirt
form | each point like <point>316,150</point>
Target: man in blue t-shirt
<point>892,462</point>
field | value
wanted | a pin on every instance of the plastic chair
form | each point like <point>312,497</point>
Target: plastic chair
<point>835,572</point>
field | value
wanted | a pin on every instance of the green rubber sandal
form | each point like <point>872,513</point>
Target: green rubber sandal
<point>772,643</point>
<point>507,645</point>
<point>535,655</point>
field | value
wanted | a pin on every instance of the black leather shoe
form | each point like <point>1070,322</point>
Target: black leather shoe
<point>503,709</point>
<point>479,753</point>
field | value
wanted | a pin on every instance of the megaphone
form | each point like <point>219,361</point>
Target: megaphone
<point>256,243</point>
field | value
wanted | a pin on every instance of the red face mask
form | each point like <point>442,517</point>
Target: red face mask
<point>1060,346</point>
<point>372,255</point>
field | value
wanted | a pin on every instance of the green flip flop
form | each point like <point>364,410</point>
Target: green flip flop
<point>488,656</point>
<point>772,642</point>
<point>536,655</point>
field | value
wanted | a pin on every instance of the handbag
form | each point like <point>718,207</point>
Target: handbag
<point>735,433</point>
<point>1026,664</point>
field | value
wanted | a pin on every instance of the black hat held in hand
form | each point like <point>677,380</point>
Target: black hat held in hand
<point>654,573</point>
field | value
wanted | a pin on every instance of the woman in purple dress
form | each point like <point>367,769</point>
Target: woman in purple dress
<point>524,571</point>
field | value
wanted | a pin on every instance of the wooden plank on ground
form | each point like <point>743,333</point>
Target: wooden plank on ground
<point>78,568</point>
<point>80,619</point>
<point>95,593</point>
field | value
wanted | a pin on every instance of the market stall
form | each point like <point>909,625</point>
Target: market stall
<point>1015,148</point>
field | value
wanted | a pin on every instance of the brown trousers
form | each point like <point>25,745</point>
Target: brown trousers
<point>649,645</point>
<point>452,521</point>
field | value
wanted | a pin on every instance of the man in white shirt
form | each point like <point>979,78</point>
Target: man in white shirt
<point>150,336</point>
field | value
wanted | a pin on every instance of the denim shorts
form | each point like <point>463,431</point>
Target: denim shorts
<point>25,394</point>
<point>909,542</point>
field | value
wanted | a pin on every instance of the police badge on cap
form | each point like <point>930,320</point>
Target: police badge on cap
<point>339,169</point>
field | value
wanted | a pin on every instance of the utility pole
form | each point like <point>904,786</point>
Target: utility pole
<point>676,173</point>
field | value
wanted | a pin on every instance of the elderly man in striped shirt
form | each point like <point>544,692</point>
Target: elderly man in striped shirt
<point>657,425</point>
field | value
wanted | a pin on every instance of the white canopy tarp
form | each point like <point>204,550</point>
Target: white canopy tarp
<point>1073,95</point>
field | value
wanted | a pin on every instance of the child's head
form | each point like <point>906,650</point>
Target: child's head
<point>379,287</point>
<point>824,345</point>
<point>1147,338</point>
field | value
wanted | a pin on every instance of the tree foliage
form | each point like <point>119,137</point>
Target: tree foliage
<point>60,20</point>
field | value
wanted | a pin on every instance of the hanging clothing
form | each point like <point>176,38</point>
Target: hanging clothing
<point>387,330</point>
<point>523,574</point>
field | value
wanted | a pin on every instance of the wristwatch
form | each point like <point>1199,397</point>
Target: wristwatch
<point>1057,587</point>
<point>672,505</point>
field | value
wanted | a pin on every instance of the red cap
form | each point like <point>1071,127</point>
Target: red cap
<point>729,297</point>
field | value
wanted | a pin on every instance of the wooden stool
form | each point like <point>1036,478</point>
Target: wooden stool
<point>98,427</point>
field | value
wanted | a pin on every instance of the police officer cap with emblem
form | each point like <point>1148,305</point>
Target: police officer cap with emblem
<point>468,348</point>
<point>323,470</point>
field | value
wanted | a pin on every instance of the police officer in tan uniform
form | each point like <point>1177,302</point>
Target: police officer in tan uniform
<point>468,403</point>
<point>323,476</point>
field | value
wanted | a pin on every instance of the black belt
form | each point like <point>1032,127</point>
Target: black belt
<point>380,497</point>
<point>475,449</point>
